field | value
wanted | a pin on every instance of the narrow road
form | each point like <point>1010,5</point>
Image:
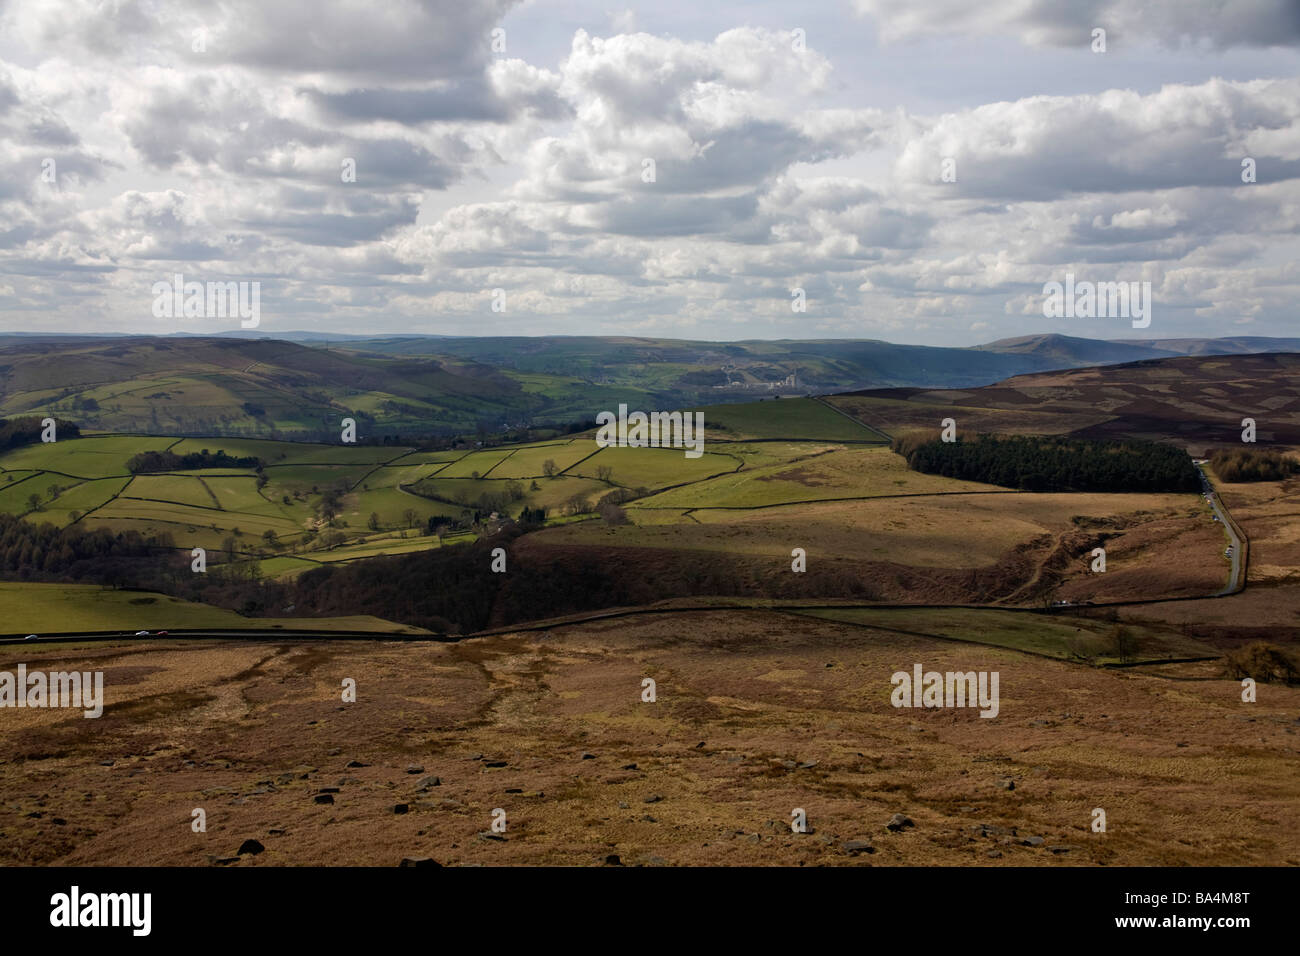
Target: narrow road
<point>1235,583</point>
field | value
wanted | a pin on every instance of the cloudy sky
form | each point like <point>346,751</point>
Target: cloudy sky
<point>506,144</point>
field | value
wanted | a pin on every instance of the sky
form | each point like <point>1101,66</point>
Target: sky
<point>909,170</point>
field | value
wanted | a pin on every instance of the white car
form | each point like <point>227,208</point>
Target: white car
<point>141,633</point>
<point>31,637</point>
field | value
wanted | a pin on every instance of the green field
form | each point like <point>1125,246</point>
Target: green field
<point>480,461</point>
<point>528,461</point>
<point>83,457</point>
<point>805,419</point>
<point>653,467</point>
<point>60,608</point>
<point>182,489</point>
<point>823,475</point>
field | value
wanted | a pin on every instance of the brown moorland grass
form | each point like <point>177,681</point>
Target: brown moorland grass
<point>1157,545</point>
<point>757,713</point>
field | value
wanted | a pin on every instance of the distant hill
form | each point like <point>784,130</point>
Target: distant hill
<point>1235,345</point>
<point>1197,401</point>
<point>457,385</point>
<point>1065,351</point>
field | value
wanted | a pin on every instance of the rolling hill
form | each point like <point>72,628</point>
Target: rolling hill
<point>433,386</point>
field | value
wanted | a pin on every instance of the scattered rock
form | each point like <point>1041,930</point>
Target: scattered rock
<point>419,861</point>
<point>250,846</point>
<point>994,854</point>
<point>1059,848</point>
<point>623,806</point>
<point>588,756</point>
<point>1007,784</point>
<point>426,783</point>
<point>990,830</point>
<point>324,798</point>
<point>628,766</point>
<point>401,808</point>
<point>495,837</point>
<point>613,860</point>
<point>494,763</point>
<point>1032,841</point>
<point>899,822</point>
<point>807,764</point>
<point>648,819</point>
<point>414,768</point>
<point>352,764</point>
<point>854,847</point>
<point>653,798</point>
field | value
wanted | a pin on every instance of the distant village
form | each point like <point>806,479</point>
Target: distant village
<point>790,382</point>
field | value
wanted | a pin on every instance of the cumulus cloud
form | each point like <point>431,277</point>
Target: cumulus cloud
<point>1223,23</point>
<point>390,162</point>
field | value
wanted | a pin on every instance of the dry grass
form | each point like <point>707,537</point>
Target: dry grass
<point>1187,773</point>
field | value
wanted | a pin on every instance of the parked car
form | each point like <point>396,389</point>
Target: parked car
<point>141,633</point>
<point>31,637</point>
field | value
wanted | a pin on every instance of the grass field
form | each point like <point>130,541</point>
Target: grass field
<point>60,608</point>
<point>653,467</point>
<point>803,418</point>
<point>83,457</point>
<point>1053,635</point>
<point>762,487</point>
<point>848,473</point>
<point>529,460</point>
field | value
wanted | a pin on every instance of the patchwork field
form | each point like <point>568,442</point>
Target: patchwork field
<point>851,503</point>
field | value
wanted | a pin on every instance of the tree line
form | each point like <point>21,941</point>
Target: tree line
<point>1053,462</point>
<point>163,461</point>
<point>1249,464</point>
<point>27,430</point>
